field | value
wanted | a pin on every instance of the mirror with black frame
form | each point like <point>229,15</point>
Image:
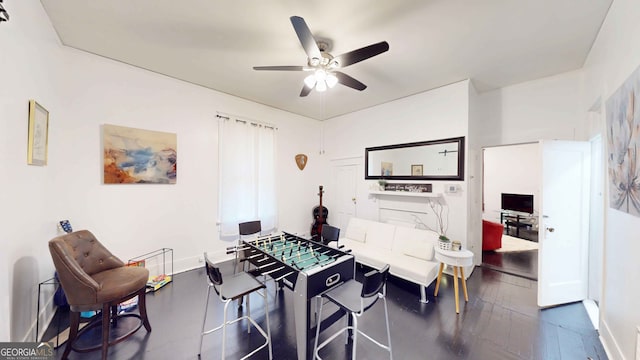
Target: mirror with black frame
<point>425,160</point>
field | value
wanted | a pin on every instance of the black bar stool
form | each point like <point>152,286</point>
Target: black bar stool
<point>356,298</point>
<point>232,288</point>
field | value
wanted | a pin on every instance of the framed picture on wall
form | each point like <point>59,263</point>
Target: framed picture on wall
<point>139,156</point>
<point>416,170</point>
<point>38,134</point>
<point>386,168</point>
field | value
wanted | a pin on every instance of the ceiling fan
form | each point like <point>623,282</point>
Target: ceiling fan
<point>324,65</point>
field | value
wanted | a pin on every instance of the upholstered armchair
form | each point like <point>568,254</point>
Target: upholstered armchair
<point>94,279</point>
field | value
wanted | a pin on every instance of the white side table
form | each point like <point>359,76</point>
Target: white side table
<point>458,259</point>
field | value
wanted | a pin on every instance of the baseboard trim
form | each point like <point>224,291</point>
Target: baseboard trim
<point>609,343</point>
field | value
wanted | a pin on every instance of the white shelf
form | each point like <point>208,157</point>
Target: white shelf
<point>404,193</point>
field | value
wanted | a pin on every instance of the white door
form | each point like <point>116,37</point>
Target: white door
<point>564,222</point>
<point>345,189</point>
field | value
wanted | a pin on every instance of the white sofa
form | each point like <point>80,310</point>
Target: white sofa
<point>408,251</point>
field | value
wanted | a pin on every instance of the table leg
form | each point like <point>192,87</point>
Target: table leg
<point>464,285</point>
<point>455,288</point>
<point>435,293</point>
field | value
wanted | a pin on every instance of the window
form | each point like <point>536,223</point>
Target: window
<point>247,151</point>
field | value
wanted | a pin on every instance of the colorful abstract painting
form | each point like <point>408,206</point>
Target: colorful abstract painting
<point>136,156</point>
<point>623,140</point>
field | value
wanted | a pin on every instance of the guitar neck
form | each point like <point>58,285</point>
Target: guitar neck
<point>320,212</point>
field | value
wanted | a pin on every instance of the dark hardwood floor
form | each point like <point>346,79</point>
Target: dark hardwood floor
<point>500,321</point>
<point>519,263</point>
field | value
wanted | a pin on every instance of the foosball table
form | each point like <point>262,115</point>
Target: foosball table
<point>304,266</point>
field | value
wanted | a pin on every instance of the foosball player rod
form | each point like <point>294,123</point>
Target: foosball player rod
<point>254,256</point>
<point>329,261</point>
<point>236,248</point>
<point>273,270</point>
<point>266,265</point>
<point>283,276</point>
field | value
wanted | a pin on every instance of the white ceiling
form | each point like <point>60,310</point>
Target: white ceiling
<point>432,43</point>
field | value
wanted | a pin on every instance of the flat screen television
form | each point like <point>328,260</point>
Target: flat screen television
<point>517,202</point>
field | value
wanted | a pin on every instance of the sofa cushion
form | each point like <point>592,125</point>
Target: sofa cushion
<point>416,243</point>
<point>380,235</point>
<point>357,229</point>
<point>355,246</point>
<point>401,223</point>
<point>413,269</point>
<point>371,257</point>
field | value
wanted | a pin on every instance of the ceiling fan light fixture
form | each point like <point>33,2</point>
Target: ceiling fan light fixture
<point>324,65</point>
<point>314,61</point>
<point>310,81</point>
<point>321,86</point>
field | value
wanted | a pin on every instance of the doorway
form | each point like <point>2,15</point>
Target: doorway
<point>596,231</point>
<point>558,175</point>
<point>344,175</point>
<point>510,179</point>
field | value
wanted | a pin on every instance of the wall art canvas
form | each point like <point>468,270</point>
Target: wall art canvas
<point>623,140</point>
<point>136,156</point>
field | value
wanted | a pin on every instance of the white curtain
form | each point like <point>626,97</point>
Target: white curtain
<point>247,173</point>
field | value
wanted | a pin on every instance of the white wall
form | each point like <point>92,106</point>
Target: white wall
<point>510,169</point>
<point>436,114</point>
<point>548,108</point>
<point>614,56</point>
<point>82,92</point>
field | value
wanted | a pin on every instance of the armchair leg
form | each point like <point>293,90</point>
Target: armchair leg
<point>74,319</point>
<point>142,305</point>
<point>105,330</point>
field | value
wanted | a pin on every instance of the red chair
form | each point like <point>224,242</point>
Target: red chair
<point>491,235</point>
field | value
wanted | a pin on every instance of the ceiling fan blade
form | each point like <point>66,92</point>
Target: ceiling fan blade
<point>306,38</point>
<point>281,68</point>
<point>305,91</point>
<point>347,80</point>
<point>364,53</point>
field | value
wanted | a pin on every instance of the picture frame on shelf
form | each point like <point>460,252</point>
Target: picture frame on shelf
<point>38,134</point>
<point>416,170</point>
